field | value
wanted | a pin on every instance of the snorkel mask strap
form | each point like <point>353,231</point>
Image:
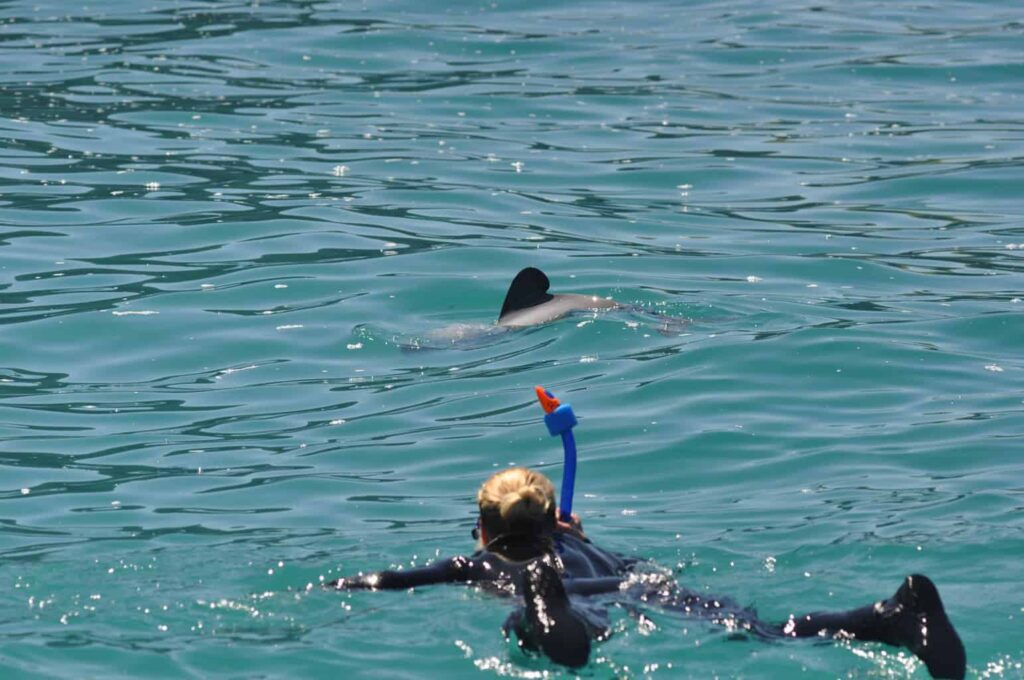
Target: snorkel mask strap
<point>560,420</point>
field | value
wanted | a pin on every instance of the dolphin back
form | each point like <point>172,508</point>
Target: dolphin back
<point>529,288</point>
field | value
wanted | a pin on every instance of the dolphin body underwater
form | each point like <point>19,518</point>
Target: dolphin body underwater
<point>528,303</point>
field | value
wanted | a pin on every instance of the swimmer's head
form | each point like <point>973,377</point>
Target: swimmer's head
<point>516,501</point>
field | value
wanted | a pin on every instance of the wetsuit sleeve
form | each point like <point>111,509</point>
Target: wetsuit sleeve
<point>548,622</point>
<point>592,586</point>
<point>451,570</point>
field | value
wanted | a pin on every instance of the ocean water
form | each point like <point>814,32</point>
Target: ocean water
<point>226,227</point>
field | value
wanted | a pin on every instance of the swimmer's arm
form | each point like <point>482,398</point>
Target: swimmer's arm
<point>592,586</point>
<point>451,570</point>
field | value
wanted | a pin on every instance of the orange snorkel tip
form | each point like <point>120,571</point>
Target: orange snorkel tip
<point>547,400</point>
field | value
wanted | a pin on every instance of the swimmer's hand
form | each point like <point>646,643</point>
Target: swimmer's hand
<point>352,583</point>
<point>572,526</point>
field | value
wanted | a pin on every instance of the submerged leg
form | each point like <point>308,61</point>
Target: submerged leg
<point>913,618</point>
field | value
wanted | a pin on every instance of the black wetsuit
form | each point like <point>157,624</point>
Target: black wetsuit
<point>500,566</point>
<point>547,571</point>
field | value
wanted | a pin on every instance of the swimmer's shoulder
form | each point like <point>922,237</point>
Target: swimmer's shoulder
<point>584,559</point>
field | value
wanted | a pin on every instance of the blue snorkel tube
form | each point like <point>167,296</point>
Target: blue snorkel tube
<point>560,420</point>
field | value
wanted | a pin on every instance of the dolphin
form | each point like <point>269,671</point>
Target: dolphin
<point>528,302</point>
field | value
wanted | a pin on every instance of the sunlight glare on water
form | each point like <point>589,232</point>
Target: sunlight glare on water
<point>251,254</point>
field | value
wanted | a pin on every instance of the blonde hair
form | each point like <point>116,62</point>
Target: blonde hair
<point>516,500</point>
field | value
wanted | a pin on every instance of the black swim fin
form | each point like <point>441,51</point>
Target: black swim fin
<point>922,626</point>
<point>529,288</point>
<point>913,618</point>
<point>548,622</point>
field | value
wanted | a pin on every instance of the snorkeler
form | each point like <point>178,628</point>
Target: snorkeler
<point>526,549</point>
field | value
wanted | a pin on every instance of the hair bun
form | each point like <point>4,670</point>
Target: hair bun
<point>527,504</point>
<point>516,500</point>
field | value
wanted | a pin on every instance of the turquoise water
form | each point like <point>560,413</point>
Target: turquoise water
<point>220,223</point>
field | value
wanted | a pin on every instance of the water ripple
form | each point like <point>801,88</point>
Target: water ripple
<point>230,229</point>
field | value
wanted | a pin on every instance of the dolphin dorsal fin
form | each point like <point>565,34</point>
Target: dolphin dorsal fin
<point>529,288</point>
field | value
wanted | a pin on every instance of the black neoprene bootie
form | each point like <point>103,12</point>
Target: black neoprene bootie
<point>917,620</point>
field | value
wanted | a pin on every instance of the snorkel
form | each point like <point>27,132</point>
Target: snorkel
<point>560,420</point>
